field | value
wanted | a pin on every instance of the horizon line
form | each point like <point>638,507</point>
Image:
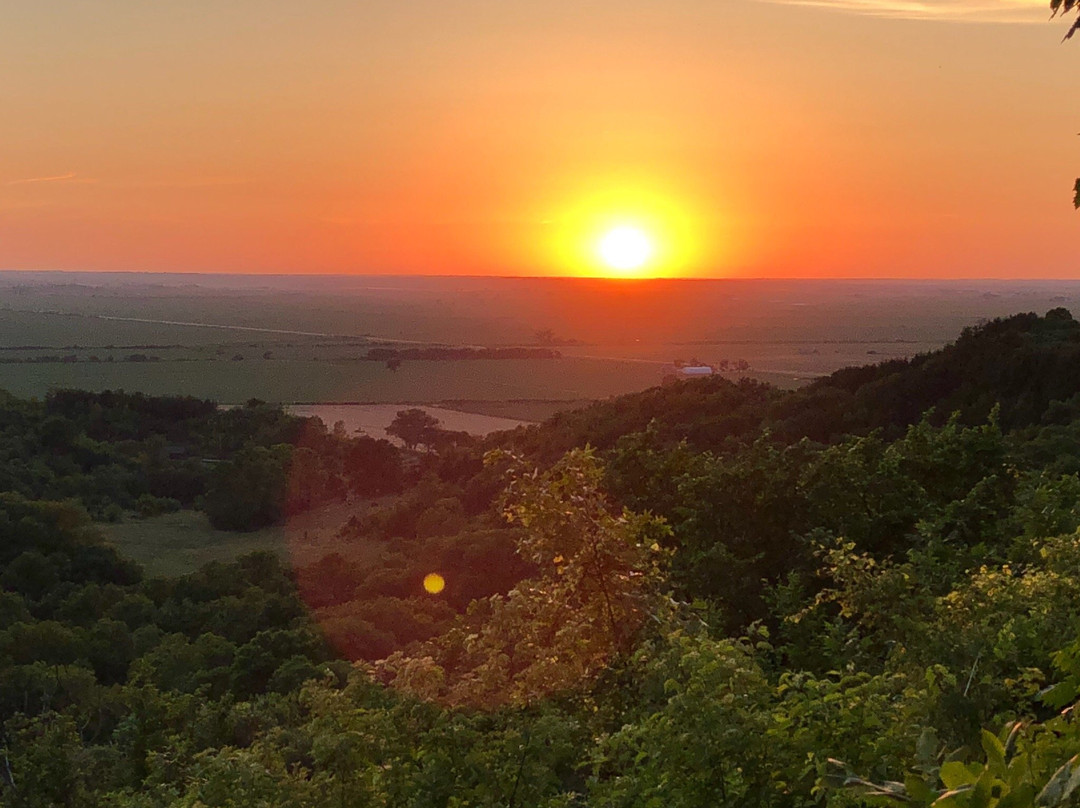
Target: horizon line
<point>467,276</point>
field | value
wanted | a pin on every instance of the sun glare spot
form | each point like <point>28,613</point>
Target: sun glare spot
<point>434,583</point>
<point>625,248</point>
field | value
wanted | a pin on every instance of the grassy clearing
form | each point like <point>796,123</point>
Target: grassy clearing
<point>373,419</point>
<point>529,410</point>
<point>179,543</point>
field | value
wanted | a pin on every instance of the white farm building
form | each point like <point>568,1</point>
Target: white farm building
<point>676,372</point>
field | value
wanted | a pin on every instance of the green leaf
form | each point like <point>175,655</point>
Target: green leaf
<point>1022,796</point>
<point>981,794</point>
<point>995,753</point>
<point>918,790</point>
<point>1061,693</point>
<point>926,748</point>
<point>955,774</point>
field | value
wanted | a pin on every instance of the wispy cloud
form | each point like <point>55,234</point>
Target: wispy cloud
<point>960,10</point>
<point>70,177</point>
<point>192,182</point>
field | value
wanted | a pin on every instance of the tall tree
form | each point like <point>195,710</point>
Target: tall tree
<point>414,426</point>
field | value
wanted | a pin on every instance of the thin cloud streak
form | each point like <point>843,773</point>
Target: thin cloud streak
<point>1002,11</point>
<point>57,178</point>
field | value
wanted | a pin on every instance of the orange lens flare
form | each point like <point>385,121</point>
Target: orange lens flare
<point>434,583</point>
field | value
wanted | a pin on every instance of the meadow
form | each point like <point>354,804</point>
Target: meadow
<point>181,542</point>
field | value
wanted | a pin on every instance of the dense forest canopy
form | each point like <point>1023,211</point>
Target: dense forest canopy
<point>710,593</point>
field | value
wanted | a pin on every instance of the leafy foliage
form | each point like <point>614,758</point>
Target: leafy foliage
<point>1065,7</point>
<point>735,591</point>
<point>597,582</point>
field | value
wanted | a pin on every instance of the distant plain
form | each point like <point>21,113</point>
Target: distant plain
<point>304,339</point>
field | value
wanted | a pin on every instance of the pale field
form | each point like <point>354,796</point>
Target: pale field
<point>373,419</point>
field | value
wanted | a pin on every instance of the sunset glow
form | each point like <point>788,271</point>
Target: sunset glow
<point>486,140</point>
<point>634,227</point>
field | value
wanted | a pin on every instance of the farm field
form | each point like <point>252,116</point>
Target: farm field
<point>309,382</point>
<point>302,340</point>
<point>373,419</point>
<point>526,410</point>
<point>499,311</point>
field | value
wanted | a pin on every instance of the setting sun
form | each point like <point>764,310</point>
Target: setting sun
<point>633,227</point>
<point>625,248</point>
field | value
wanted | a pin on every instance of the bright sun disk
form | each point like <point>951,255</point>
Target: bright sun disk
<point>625,248</point>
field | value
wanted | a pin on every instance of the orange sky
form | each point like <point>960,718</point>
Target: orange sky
<point>836,138</point>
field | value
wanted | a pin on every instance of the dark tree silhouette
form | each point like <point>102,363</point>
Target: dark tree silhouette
<point>414,426</point>
<point>1066,7</point>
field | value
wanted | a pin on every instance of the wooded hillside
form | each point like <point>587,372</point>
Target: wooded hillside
<point>706,594</point>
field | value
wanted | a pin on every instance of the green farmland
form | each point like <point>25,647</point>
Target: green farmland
<point>300,340</point>
<point>289,381</point>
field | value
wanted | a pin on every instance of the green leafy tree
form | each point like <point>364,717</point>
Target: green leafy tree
<point>1022,766</point>
<point>249,491</point>
<point>705,742</point>
<point>599,578</point>
<point>43,764</point>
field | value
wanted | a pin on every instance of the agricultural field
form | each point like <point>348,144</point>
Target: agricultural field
<point>304,340</point>
<point>373,419</point>
<point>323,381</point>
